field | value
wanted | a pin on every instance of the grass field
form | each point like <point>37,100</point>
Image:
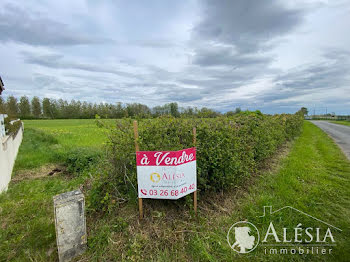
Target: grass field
<point>345,123</point>
<point>70,132</point>
<point>47,141</point>
<point>314,177</point>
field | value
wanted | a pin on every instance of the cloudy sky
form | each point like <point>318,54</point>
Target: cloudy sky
<point>275,56</point>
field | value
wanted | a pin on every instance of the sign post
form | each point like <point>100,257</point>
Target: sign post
<point>136,136</point>
<point>166,174</point>
<point>195,192</point>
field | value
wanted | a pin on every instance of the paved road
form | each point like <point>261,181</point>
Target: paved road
<point>340,134</point>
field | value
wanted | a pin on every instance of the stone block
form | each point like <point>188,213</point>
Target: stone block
<point>70,224</point>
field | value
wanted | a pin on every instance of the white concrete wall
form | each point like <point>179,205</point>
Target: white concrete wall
<point>8,152</point>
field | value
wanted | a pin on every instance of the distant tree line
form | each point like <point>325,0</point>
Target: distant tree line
<point>61,109</point>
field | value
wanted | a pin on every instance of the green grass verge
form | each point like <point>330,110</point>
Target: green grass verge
<point>345,123</point>
<point>314,178</point>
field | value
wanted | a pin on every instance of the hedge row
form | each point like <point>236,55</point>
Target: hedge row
<point>228,148</point>
<point>12,128</point>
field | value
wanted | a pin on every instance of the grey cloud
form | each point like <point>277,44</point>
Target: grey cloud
<point>216,80</point>
<point>233,37</point>
<point>89,90</point>
<point>154,43</point>
<point>331,73</point>
<point>201,85</point>
<point>327,76</point>
<point>18,25</point>
<point>247,24</point>
<point>174,92</point>
<point>230,48</point>
<point>217,56</point>
<point>49,83</point>
<point>56,61</point>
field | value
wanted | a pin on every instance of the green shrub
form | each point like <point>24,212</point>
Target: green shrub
<point>228,148</point>
<point>12,128</point>
<point>80,159</point>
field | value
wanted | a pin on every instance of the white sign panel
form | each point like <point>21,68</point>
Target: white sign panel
<point>166,174</point>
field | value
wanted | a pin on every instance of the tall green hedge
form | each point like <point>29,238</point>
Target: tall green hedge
<point>228,148</point>
<point>12,128</point>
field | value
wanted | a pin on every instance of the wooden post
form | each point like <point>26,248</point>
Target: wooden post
<point>136,136</point>
<point>195,192</point>
<point>195,201</point>
<point>194,136</point>
<point>140,208</point>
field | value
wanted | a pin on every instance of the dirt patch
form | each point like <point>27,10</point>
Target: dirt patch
<point>41,172</point>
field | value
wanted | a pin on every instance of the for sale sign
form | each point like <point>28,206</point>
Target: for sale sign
<point>166,174</point>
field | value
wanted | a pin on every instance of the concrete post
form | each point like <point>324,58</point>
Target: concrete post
<point>70,224</point>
